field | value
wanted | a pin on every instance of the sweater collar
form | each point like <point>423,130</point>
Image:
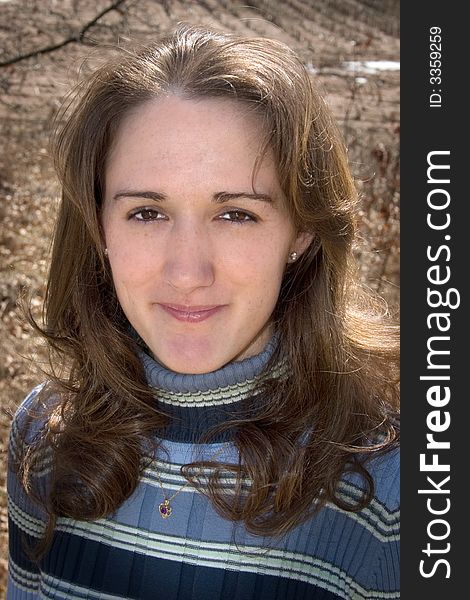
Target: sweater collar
<point>198,403</point>
<point>231,383</point>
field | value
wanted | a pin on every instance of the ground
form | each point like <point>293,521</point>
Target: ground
<point>43,46</point>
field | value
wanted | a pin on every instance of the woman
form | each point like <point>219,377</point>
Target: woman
<point>221,419</point>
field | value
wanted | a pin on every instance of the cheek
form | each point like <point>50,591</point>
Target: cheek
<point>131,266</point>
<point>259,268</point>
<point>131,257</point>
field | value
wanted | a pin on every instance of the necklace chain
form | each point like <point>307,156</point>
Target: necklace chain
<point>164,508</point>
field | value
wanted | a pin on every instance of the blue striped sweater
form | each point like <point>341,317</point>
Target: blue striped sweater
<point>195,554</point>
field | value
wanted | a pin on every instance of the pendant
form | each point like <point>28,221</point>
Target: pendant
<point>165,509</point>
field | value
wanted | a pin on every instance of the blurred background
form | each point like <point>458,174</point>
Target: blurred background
<point>350,46</point>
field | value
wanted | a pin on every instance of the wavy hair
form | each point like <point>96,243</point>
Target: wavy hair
<point>339,404</point>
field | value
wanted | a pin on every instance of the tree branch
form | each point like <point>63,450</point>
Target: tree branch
<point>78,37</point>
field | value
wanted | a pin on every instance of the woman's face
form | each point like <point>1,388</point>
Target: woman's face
<point>197,253</point>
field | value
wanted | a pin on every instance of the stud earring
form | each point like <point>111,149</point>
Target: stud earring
<point>106,252</point>
<point>293,256</point>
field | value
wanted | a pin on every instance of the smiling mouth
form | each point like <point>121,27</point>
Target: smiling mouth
<point>191,314</point>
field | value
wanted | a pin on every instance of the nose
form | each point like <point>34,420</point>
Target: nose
<point>189,263</point>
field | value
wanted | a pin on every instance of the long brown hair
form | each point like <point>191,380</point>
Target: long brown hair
<point>340,400</point>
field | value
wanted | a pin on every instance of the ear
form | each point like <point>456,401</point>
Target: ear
<point>302,242</point>
<point>101,226</point>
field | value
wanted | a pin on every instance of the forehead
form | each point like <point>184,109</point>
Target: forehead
<point>173,136</point>
<point>174,119</point>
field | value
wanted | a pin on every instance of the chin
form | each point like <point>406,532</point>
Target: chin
<point>193,371</point>
<point>193,361</point>
<point>192,367</point>
<point>204,355</point>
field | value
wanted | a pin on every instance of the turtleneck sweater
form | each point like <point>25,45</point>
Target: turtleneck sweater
<point>139,552</point>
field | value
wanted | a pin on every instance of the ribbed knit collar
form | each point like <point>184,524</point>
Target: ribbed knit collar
<point>197,403</point>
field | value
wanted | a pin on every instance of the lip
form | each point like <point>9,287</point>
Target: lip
<point>191,314</point>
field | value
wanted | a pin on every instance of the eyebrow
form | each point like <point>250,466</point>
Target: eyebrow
<point>218,197</point>
<point>156,196</point>
<point>221,197</point>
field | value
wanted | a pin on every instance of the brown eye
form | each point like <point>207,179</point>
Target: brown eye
<point>146,214</point>
<point>237,216</point>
